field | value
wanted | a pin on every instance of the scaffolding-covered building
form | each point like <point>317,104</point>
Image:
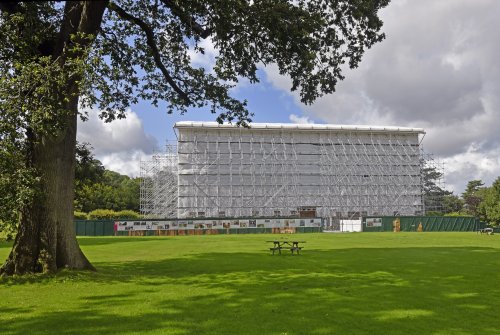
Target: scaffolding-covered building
<point>306,170</point>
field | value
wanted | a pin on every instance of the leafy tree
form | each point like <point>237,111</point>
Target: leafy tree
<point>98,188</point>
<point>127,189</point>
<point>109,54</point>
<point>88,170</point>
<point>114,195</point>
<point>489,208</point>
<point>452,204</point>
<point>473,196</point>
<point>433,194</point>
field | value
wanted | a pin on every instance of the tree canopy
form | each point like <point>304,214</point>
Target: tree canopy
<point>99,188</point>
<point>57,56</point>
<point>434,196</point>
<point>473,196</point>
<point>489,208</point>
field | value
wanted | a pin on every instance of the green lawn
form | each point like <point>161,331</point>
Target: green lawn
<point>359,283</point>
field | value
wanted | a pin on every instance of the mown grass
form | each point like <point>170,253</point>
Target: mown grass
<point>361,283</point>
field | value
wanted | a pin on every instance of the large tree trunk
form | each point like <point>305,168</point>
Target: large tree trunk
<point>46,239</point>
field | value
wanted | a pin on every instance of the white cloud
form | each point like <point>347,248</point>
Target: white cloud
<point>119,145</point>
<point>469,165</point>
<point>127,163</point>
<point>437,69</point>
<point>207,58</point>
<point>300,119</point>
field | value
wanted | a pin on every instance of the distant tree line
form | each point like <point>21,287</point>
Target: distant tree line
<point>102,193</point>
<point>477,200</point>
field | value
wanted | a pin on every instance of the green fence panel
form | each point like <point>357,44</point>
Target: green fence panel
<point>94,228</point>
<point>89,228</point>
<point>429,223</point>
<point>108,228</point>
<point>99,228</point>
<point>80,227</point>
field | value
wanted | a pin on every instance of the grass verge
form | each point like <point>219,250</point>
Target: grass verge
<point>361,283</point>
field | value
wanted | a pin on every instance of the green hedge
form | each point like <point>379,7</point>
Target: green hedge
<point>108,214</point>
<point>80,215</point>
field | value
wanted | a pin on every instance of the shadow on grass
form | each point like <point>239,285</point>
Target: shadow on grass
<point>5,244</point>
<point>93,240</point>
<point>348,291</point>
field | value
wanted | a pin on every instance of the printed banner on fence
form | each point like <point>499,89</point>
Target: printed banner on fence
<point>216,224</point>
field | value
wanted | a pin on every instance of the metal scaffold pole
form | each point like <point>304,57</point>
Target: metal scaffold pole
<point>338,173</point>
<point>158,195</point>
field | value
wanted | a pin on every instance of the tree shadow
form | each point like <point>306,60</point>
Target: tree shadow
<point>358,291</point>
<point>5,244</point>
<point>99,240</point>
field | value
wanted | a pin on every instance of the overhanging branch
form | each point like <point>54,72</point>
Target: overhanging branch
<point>150,38</point>
<point>10,7</point>
<point>187,19</point>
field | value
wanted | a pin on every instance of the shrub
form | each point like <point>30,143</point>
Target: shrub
<point>80,215</point>
<point>108,214</point>
<point>127,214</point>
<point>102,214</point>
<point>457,214</point>
<point>7,233</point>
<point>433,213</point>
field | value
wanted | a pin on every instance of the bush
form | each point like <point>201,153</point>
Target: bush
<point>127,214</point>
<point>457,214</point>
<point>80,215</point>
<point>433,213</point>
<point>108,214</point>
<point>102,214</point>
<point>7,233</point>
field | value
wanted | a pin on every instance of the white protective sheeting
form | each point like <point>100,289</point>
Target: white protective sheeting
<point>270,169</point>
<point>350,226</point>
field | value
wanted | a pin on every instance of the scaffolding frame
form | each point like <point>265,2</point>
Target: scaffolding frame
<point>433,201</point>
<point>342,173</point>
<point>158,190</point>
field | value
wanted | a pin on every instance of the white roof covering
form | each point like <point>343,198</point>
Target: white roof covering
<point>291,126</point>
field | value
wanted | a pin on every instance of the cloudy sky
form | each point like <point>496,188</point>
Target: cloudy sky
<point>438,69</point>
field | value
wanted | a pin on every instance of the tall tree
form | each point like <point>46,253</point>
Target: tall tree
<point>473,196</point>
<point>114,191</point>
<point>452,204</point>
<point>88,169</point>
<point>98,188</point>
<point>489,208</point>
<point>109,54</point>
<point>433,194</point>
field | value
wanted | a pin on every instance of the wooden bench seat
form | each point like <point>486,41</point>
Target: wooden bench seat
<point>276,249</point>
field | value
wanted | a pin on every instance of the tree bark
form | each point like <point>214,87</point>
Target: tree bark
<point>46,238</point>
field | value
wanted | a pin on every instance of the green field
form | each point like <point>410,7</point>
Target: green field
<point>358,283</point>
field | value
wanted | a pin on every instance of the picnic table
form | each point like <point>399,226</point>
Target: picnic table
<point>488,231</point>
<point>278,245</point>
